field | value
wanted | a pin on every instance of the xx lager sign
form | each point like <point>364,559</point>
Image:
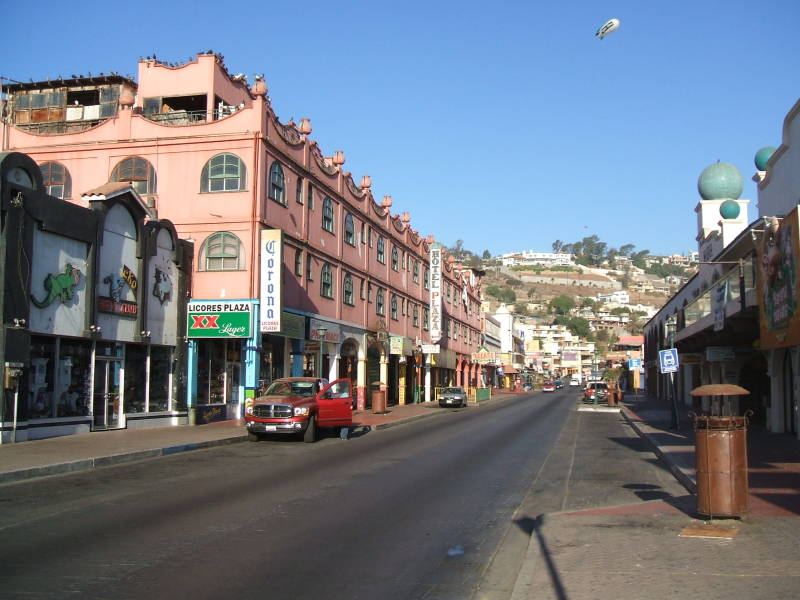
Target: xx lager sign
<point>215,319</point>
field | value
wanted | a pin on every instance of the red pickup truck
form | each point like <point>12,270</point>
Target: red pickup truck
<point>300,405</point>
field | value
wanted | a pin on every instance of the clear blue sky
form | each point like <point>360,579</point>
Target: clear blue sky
<point>505,125</point>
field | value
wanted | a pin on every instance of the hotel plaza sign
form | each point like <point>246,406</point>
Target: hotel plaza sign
<point>218,319</point>
<point>436,292</point>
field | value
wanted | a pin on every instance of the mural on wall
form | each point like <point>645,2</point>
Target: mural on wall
<point>58,285</point>
<point>61,286</point>
<point>117,284</point>
<point>162,309</point>
<point>162,287</point>
<point>117,276</point>
<point>777,282</point>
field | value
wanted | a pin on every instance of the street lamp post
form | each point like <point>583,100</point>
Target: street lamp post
<point>672,326</point>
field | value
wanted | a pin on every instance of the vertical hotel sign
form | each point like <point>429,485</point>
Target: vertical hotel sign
<point>436,292</point>
<point>778,273</point>
<point>271,288</point>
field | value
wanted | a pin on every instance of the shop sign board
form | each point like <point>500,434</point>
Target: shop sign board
<point>271,286</point>
<point>720,353</point>
<point>430,348</point>
<point>293,326</point>
<point>332,331</point>
<point>220,319</point>
<point>778,282</point>
<point>483,356</point>
<point>399,344</point>
<point>435,292</point>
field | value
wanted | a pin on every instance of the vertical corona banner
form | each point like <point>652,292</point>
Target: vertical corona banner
<point>436,293</point>
<point>271,288</point>
<point>778,272</point>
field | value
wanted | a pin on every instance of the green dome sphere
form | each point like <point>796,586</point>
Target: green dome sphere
<point>719,181</point>
<point>729,209</point>
<point>762,157</point>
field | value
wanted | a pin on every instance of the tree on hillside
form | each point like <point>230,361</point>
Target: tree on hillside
<point>558,246</point>
<point>508,296</point>
<point>521,308</point>
<point>493,291</point>
<point>531,293</point>
<point>577,325</point>
<point>486,255</point>
<point>562,304</point>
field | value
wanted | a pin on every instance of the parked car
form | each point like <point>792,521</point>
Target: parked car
<point>595,391</point>
<point>452,396</point>
<point>559,384</point>
<point>300,405</point>
<point>548,386</point>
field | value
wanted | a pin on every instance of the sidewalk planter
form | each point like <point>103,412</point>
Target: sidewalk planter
<point>721,455</point>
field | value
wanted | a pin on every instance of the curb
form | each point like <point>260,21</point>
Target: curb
<point>683,478</point>
<point>107,461</point>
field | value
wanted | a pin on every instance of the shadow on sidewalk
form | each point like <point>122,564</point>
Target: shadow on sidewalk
<point>534,527</point>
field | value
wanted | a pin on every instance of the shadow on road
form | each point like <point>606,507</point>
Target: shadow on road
<point>534,527</point>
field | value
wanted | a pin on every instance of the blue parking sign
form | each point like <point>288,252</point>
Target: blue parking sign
<point>668,360</point>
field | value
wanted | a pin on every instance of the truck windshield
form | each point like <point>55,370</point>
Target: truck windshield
<point>291,388</point>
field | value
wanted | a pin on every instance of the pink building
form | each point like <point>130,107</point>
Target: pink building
<point>297,270</point>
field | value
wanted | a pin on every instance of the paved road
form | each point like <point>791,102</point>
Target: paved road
<point>432,510</point>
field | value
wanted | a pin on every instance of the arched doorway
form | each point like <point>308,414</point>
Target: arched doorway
<point>348,363</point>
<point>373,370</point>
<point>789,400</point>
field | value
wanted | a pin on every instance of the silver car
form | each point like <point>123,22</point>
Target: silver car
<point>452,396</point>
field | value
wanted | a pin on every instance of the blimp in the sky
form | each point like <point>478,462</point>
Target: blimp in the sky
<point>610,27</point>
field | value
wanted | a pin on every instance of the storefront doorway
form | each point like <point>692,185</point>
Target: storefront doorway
<point>107,381</point>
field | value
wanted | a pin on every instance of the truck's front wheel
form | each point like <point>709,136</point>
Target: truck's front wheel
<point>310,434</point>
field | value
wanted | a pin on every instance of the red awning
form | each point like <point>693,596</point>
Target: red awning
<point>509,370</point>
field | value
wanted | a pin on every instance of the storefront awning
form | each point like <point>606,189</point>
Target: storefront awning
<point>509,370</point>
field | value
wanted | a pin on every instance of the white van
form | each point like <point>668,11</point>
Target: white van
<point>575,380</point>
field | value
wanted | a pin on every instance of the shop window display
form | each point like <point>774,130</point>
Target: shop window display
<point>160,363</point>
<point>211,372</point>
<point>41,380</point>
<point>135,378</point>
<point>74,366</point>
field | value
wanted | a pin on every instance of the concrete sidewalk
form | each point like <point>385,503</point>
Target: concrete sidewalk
<point>663,548</point>
<point>40,458</point>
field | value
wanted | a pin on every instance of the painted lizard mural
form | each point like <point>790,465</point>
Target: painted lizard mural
<point>60,286</point>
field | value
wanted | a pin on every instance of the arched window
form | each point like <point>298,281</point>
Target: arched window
<point>56,179</point>
<point>349,230</point>
<point>223,173</point>
<point>139,172</point>
<point>379,303</point>
<point>347,290</point>
<point>326,281</point>
<point>416,271</point>
<point>393,306</point>
<point>381,250</point>
<point>327,214</point>
<point>395,259</point>
<point>222,251</point>
<point>277,183</point>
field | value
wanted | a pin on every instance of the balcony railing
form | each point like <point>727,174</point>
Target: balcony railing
<point>704,304</point>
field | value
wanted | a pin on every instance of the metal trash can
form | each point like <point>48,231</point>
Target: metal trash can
<point>378,402</point>
<point>721,462</point>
